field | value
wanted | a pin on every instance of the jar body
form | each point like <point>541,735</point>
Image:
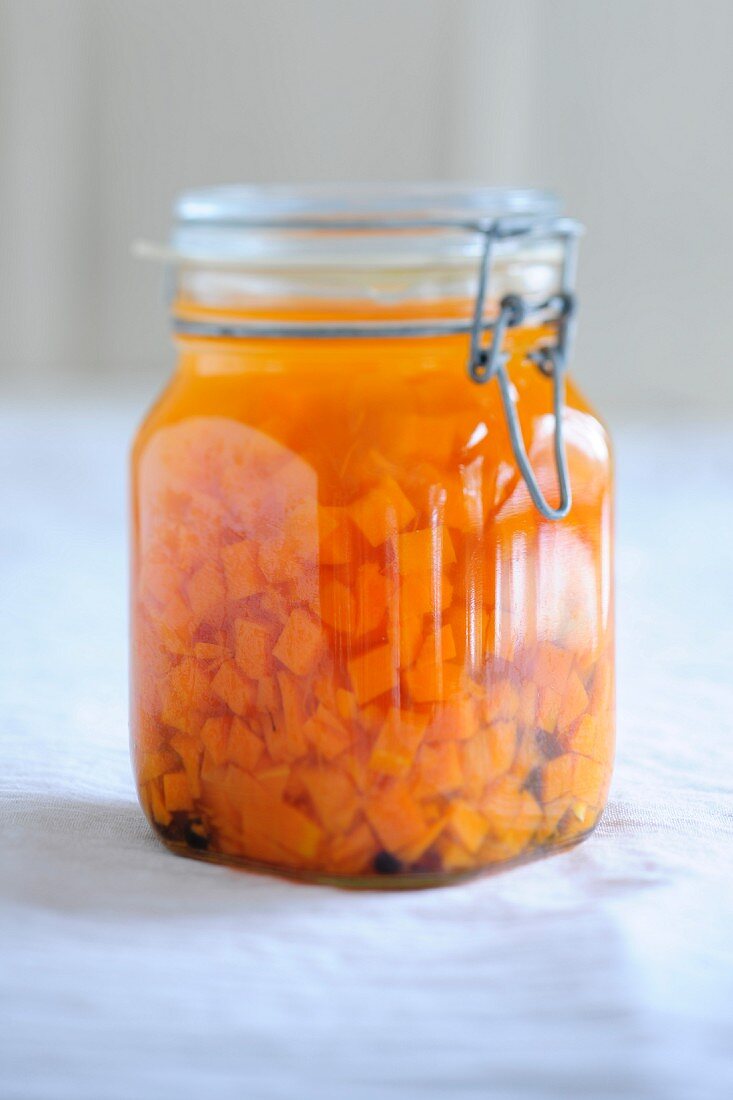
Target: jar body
<point>360,653</point>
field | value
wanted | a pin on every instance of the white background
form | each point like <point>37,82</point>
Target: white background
<point>107,109</point>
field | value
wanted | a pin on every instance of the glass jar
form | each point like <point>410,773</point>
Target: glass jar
<point>367,648</point>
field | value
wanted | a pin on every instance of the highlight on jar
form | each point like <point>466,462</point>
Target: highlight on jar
<point>372,583</point>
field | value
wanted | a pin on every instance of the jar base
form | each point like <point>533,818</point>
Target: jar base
<point>414,880</point>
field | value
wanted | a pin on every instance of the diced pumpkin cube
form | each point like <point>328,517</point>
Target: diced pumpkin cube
<point>582,737</point>
<point>207,594</point>
<point>501,700</point>
<point>232,689</point>
<point>372,590</point>
<point>398,741</point>
<point>338,607</point>
<point>215,737</point>
<point>300,645</point>
<point>574,702</point>
<point>274,779</point>
<point>439,769</point>
<point>590,778</point>
<point>189,751</point>
<point>412,852</point>
<point>382,512</point>
<point>553,665</point>
<point>252,643</point>
<point>426,551</point>
<point>244,747</point>
<point>335,537</point>
<point>372,673</point>
<point>354,852</point>
<point>425,594</point>
<point>548,709</point>
<point>427,682</point>
<point>438,646</point>
<point>153,764</point>
<point>333,795</point>
<point>210,651</point>
<point>328,735</point>
<point>176,792</point>
<point>395,817</point>
<point>468,825</point>
<point>161,814</point>
<point>557,777</point>
<point>242,574</point>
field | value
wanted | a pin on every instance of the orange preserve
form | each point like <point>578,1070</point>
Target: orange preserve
<point>372,540</point>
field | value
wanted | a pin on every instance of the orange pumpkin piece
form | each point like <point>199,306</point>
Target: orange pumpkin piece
<point>574,702</point>
<point>501,740</point>
<point>189,751</point>
<point>501,700</point>
<point>438,646</point>
<point>589,780</point>
<point>354,851</point>
<point>548,709</point>
<point>243,576</point>
<point>153,764</point>
<point>335,540</point>
<point>552,666</point>
<point>557,777</point>
<point>284,825</point>
<point>372,598</point>
<point>382,512</point>
<point>252,647</point>
<point>405,632</point>
<point>423,593</point>
<point>372,673</point>
<point>468,826</point>
<point>328,735</point>
<point>159,810</point>
<point>176,792</point>
<point>583,738</point>
<point>215,738</point>
<point>301,643</point>
<point>207,594</point>
<point>410,853</point>
<point>243,747</point>
<point>338,608</point>
<point>187,683</point>
<point>274,779</point>
<point>232,689</point>
<point>399,739</point>
<point>439,769</point>
<point>527,706</point>
<point>333,796</point>
<point>425,551</point>
<point>427,682</point>
<point>395,817</point>
<point>210,651</point>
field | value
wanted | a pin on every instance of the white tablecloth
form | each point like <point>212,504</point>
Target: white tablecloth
<point>128,973</point>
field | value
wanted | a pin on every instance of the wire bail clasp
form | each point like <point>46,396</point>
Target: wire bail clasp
<point>486,363</point>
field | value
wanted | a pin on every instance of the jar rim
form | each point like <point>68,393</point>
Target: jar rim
<point>355,226</point>
<point>252,204</point>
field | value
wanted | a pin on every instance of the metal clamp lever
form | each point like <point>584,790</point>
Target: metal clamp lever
<point>489,362</point>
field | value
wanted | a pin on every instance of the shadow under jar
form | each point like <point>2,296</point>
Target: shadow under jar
<point>371,631</point>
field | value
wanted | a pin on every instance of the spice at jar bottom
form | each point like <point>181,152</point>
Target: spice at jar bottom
<point>372,638</point>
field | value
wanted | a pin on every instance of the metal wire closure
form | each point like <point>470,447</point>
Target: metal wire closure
<point>485,361</point>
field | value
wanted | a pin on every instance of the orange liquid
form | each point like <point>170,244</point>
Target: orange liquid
<point>359,652</point>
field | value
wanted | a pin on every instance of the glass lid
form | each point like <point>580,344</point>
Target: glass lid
<point>350,225</point>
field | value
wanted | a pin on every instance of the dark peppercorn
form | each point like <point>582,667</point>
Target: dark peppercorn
<point>194,836</point>
<point>387,864</point>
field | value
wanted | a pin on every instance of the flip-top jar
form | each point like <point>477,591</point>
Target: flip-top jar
<point>372,540</point>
